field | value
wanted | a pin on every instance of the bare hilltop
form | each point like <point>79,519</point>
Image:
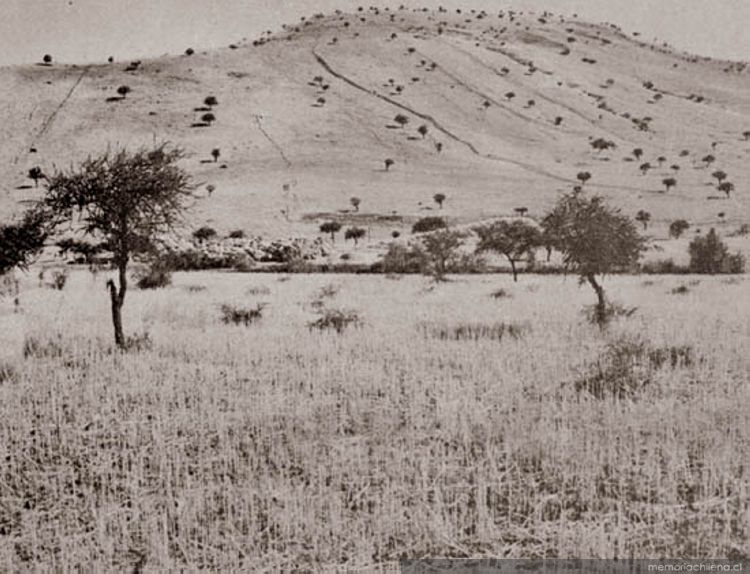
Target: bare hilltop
<point>498,112</point>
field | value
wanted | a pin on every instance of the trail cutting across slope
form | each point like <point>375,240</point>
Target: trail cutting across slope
<point>437,125</point>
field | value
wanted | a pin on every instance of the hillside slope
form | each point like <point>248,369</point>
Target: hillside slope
<point>305,120</point>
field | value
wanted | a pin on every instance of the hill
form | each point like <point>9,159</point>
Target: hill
<point>510,104</point>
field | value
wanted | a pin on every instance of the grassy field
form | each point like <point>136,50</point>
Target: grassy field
<point>449,423</point>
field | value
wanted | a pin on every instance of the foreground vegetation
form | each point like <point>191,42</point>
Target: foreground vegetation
<point>505,426</point>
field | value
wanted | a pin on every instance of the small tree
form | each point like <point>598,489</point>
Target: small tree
<point>708,160</point>
<point>510,95</point>
<point>669,182</point>
<point>20,242</point>
<point>332,228</point>
<point>355,233</point>
<point>211,101</point>
<point>440,250</point>
<point>719,175</point>
<point>643,217</point>
<point>521,211</point>
<point>423,130</point>
<point>439,146</point>
<point>388,164</point>
<point>355,202</point>
<point>600,145</point>
<point>583,177</point>
<point>513,239</point>
<point>47,59</point>
<point>210,188</point>
<point>678,227</point>
<point>125,199</point>
<point>216,153</point>
<point>208,118</point>
<point>637,153</point>
<point>727,187</point>
<point>36,174</point>
<point>746,135</point>
<point>439,198</point>
<point>123,91</point>
<point>710,254</point>
<point>558,120</point>
<point>645,167</point>
<point>401,120</point>
<point>595,240</point>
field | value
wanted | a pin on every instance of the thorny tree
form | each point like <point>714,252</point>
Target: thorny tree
<point>514,239</point>
<point>595,240</point>
<point>126,200</point>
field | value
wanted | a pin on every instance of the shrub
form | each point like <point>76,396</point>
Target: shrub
<point>138,343</point>
<point>681,290</point>
<point>237,234</point>
<point>501,294</point>
<point>204,233</point>
<point>710,255</point>
<point>157,276</point>
<point>427,224</point>
<point>34,348</point>
<point>403,259</point>
<point>234,315</point>
<point>7,373</point>
<point>663,267</point>
<point>335,319</point>
<point>678,227</point>
<point>59,279</point>
<point>627,367</point>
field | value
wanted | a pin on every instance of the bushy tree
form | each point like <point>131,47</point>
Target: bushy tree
<point>208,118</point>
<point>727,187</point>
<point>643,217</point>
<point>126,200</point>
<point>123,91</point>
<point>600,145</point>
<point>583,177</point>
<point>401,120</point>
<point>20,242</point>
<point>678,227</point>
<point>211,101</point>
<point>637,153</point>
<point>331,228</point>
<point>388,164</point>
<point>439,198</point>
<point>355,233</point>
<point>423,130</point>
<point>355,202</point>
<point>440,248</point>
<point>719,175</point>
<point>669,182</point>
<point>36,174</point>
<point>645,167</point>
<point>595,240</point>
<point>216,153</point>
<point>515,240</point>
<point>709,254</point>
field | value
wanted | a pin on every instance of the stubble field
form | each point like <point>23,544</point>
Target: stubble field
<point>450,422</point>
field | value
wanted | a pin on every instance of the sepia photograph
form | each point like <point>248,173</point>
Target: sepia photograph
<point>406,286</point>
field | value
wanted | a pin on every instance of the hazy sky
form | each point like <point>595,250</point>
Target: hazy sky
<point>92,30</point>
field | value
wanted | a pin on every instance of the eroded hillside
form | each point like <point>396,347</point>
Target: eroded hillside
<point>499,112</point>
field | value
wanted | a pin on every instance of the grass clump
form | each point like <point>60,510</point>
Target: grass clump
<point>626,368</point>
<point>473,331</point>
<point>235,315</point>
<point>337,320</point>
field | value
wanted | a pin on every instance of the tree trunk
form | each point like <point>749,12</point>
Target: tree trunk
<point>513,268</point>
<point>601,305</point>
<point>117,298</point>
<point>549,252</point>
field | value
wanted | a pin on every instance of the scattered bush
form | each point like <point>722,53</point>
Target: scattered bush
<point>138,343</point>
<point>501,294</point>
<point>35,348</point>
<point>336,319</point>
<point>681,290</point>
<point>59,279</point>
<point>234,315</point>
<point>403,259</point>
<point>237,234</point>
<point>205,233</point>
<point>678,227</point>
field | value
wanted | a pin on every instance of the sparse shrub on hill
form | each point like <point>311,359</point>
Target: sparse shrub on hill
<point>123,91</point>
<point>643,217</point>
<point>35,174</point>
<point>401,120</point>
<point>47,59</point>
<point>727,187</point>
<point>709,254</point>
<point>355,203</point>
<point>439,198</point>
<point>427,224</point>
<point>423,130</point>
<point>215,153</point>
<point>583,177</point>
<point>600,145</point>
<point>189,52</point>
<point>211,101</point>
<point>237,234</point>
<point>389,164</point>
<point>669,182</point>
<point>645,167</point>
<point>208,118</point>
<point>678,227</point>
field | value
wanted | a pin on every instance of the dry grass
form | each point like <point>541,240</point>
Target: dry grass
<point>276,448</point>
